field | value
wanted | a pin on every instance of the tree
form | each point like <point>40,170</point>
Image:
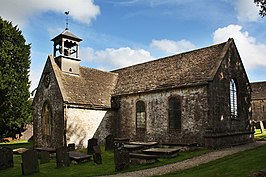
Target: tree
<point>15,108</point>
<point>262,5</point>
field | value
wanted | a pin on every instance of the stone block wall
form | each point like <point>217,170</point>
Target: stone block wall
<point>194,113</point>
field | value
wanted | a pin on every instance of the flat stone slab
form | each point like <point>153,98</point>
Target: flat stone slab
<point>79,156</point>
<point>50,150</point>
<point>19,150</point>
<point>133,146</point>
<point>143,156</point>
<point>162,152</point>
<point>144,143</point>
<point>138,158</point>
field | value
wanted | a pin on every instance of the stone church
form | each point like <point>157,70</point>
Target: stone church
<point>202,96</point>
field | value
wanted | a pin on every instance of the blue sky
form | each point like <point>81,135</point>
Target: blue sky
<point>118,33</point>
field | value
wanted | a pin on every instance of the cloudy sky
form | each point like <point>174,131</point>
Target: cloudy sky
<point>118,33</point>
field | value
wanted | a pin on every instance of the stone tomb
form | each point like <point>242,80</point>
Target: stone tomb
<point>30,162</point>
<point>97,157</point>
<point>6,158</point>
<point>71,147</point>
<point>121,157</point>
<point>44,157</point>
<point>109,143</point>
<point>62,157</point>
<point>91,142</point>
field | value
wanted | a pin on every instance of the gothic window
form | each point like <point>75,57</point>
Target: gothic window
<point>46,119</point>
<point>140,114</point>
<point>174,113</point>
<point>233,99</point>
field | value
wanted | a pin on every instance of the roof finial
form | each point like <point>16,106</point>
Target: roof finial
<point>67,13</point>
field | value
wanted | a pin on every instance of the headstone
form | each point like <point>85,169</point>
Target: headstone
<point>109,143</point>
<point>6,158</point>
<point>44,157</point>
<point>121,157</point>
<point>97,157</point>
<point>30,162</point>
<point>62,157</point>
<point>71,147</point>
<point>91,142</point>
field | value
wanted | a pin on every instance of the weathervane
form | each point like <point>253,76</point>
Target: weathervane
<point>67,13</point>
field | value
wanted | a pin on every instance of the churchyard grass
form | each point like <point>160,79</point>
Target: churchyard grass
<point>258,136</point>
<point>239,164</point>
<point>87,168</point>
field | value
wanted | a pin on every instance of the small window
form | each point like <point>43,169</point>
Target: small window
<point>70,69</point>
<point>140,115</point>
<point>174,113</point>
<point>233,99</point>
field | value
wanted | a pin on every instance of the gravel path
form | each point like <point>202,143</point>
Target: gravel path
<point>189,163</point>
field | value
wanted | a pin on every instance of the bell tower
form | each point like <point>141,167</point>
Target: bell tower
<point>66,51</point>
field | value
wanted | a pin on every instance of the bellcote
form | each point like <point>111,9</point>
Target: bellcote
<point>66,52</point>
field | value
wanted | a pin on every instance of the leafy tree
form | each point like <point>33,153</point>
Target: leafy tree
<point>262,5</point>
<point>15,108</point>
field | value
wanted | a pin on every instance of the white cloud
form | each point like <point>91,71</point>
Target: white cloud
<point>172,47</point>
<point>111,58</point>
<point>247,10</point>
<point>19,11</point>
<point>252,53</point>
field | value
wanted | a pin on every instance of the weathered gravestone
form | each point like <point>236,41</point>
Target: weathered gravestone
<point>6,158</point>
<point>121,157</point>
<point>97,157</point>
<point>71,147</point>
<point>109,143</point>
<point>30,162</point>
<point>91,142</point>
<point>44,157</point>
<point>62,157</point>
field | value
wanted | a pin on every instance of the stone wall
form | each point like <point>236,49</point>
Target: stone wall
<point>224,129</point>
<point>83,124</point>
<point>48,91</point>
<point>194,113</point>
<point>259,110</point>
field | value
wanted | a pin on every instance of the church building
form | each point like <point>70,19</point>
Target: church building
<point>202,96</point>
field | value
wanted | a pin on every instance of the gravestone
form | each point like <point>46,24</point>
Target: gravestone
<point>30,162</point>
<point>91,142</point>
<point>44,157</point>
<point>71,147</point>
<point>62,157</point>
<point>6,158</point>
<point>109,143</point>
<point>121,157</point>
<point>97,157</point>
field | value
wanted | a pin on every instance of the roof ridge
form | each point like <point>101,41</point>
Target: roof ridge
<point>169,57</point>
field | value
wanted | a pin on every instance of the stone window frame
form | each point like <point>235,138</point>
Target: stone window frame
<point>46,117</point>
<point>177,125</point>
<point>141,114</point>
<point>233,99</point>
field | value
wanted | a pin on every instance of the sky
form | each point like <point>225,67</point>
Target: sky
<point>119,33</point>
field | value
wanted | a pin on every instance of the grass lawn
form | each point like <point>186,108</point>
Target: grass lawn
<point>240,164</point>
<point>84,169</point>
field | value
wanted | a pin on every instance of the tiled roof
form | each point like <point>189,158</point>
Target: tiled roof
<point>190,68</point>
<point>258,90</point>
<point>92,87</point>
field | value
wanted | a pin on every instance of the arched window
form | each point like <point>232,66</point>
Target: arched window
<point>140,115</point>
<point>174,113</point>
<point>46,119</point>
<point>233,99</point>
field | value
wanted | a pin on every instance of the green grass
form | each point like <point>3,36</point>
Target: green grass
<point>87,168</point>
<point>258,136</point>
<point>240,164</point>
